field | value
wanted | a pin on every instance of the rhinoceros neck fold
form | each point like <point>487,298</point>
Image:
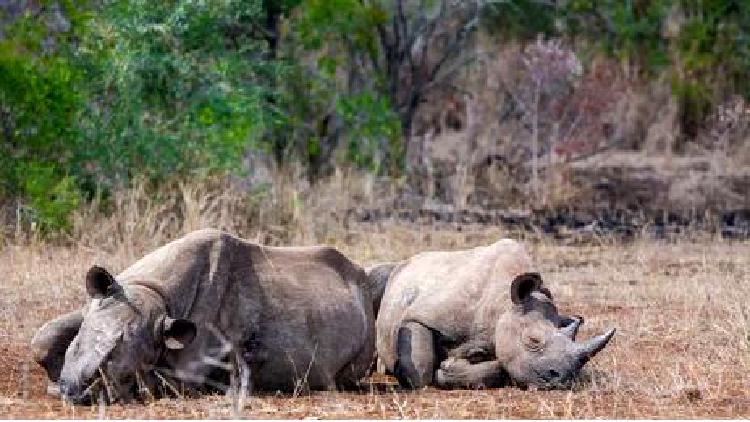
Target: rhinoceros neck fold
<point>179,295</point>
<point>190,273</point>
<point>157,290</point>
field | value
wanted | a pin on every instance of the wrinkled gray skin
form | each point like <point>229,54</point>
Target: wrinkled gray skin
<point>208,307</point>
<point>472,318</point>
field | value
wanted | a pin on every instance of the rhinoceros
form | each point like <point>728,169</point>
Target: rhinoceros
<point>210,306</point>
<point>472,318</point>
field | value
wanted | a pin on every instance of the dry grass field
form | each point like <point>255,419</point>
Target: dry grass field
<point>682,349</point>
<point>681,310</point>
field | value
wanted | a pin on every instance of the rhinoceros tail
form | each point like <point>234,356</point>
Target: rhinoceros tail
<point>377,279</point>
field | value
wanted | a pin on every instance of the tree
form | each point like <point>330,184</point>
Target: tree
<point>383,57</point>
<point>420,42</point>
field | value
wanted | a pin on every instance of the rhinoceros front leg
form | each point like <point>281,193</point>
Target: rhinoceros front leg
<point>52,340</point>
<point>461,373</point>
<point>415,362</point>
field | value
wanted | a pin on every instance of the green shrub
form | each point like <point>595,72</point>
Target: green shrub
<point>51,198</point>
<point>41,103</point>
<point>172,93</point>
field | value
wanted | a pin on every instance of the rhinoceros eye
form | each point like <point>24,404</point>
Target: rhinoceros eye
<point>534,343</point>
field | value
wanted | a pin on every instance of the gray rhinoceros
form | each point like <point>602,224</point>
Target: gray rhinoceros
<point>208,307</point>
<point>478,317</point>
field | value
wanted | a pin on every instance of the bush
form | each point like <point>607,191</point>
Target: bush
<point>40,103</point>
<point>172,91</point>
<point>138,88</point>
<point>51,198</point>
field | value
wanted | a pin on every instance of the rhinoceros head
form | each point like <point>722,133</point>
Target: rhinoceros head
<point>536,345</point>
<point>124,331</point>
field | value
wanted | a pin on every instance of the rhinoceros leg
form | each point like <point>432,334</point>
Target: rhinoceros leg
<point>52,340</point>
<point>415,362</point>
<point>350,374</point>
<point>474,351</point>
<point>461,373</point>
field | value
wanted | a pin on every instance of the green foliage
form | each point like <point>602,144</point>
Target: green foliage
<point>334,21</point>
<point>175,91</point>
<point>51,198</point>
<point>374,129</point>
<point>520,18</point>
<point>630,30</point>
<point>136,88</point>
<point>40,106</point>
<point>715,36</point>
<point>367,132</point>
<point>352,114</point>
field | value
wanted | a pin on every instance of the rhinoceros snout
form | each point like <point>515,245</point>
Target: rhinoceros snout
<point>74,392</point>
<point>551,379</point>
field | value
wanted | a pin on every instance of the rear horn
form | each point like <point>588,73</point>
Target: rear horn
<point>590,348</point>
<point>571,329</point>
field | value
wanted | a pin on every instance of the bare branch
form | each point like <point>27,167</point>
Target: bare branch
<point>454,47</point>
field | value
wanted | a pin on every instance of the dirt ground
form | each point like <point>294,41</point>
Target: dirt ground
<point>682,349</point>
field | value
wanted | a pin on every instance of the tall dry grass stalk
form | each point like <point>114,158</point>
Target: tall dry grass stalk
<point>286,210</point>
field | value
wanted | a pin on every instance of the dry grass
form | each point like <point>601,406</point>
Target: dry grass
<point>681,309</point>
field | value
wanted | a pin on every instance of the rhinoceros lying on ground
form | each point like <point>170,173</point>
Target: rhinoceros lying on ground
<point>478,317</point>
<point>209,306</point>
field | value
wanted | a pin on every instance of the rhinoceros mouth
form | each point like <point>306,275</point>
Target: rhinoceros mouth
<point>550,379</point>
<point>102,389</point>
<point>82,398</point>
<point>87,396</point>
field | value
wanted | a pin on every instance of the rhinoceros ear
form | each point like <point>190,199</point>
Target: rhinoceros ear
<point>99,282</point>
<point>178,333</point>
<point>523,285</point>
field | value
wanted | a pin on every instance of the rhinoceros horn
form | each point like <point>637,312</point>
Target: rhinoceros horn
<point>571,329</point>
<point>591,347</point>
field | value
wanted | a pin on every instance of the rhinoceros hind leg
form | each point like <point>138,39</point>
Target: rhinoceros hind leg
<point>348,377</point>
<point>415,362</point>
<point>361,365</point>
<point>52,340</point>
